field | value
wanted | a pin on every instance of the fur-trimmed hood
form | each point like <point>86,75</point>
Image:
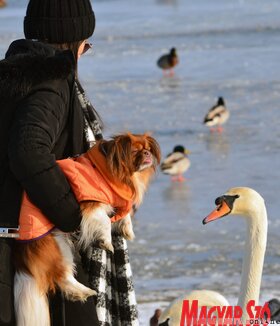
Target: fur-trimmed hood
<point>28,63</point>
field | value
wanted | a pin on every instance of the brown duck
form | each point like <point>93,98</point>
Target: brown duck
<point>168,61</point>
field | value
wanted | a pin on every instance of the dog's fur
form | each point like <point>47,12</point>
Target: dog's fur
<point>46,264</point>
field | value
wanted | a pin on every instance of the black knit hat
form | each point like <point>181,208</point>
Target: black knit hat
<point>59,21</point>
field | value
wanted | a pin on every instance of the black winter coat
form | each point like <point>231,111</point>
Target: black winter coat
<point>41,120</point>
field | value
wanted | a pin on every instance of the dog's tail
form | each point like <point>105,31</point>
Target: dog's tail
<point>31,304</point>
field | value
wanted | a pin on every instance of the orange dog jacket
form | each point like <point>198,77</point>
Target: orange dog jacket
<point>90,181</point>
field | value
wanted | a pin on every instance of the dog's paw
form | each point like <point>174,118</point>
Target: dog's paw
<point>124,228</point>
<point>106,246</point>
<point>84,295</point>
<point>76,291</point>
<point>127,232</point>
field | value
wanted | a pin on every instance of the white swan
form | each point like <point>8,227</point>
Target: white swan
<point>204,297</point>
<point>248,203</point>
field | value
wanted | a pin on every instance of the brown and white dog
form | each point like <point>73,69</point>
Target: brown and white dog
<point>113,177</point>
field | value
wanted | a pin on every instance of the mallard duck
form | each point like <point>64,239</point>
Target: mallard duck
<point>168,61</point>
<point>217,115</point>
<point>176,163</point>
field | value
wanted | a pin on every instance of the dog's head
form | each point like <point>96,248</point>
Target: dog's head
<point>129,153</point>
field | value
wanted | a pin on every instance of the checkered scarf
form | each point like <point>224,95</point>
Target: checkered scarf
<point>92,121</point>
<point>111,277</point>
<point>109,273</point>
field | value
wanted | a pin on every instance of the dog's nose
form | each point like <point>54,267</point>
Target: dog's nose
<point>146,153</point>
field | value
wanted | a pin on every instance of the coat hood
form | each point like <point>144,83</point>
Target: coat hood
<point>28,63</point>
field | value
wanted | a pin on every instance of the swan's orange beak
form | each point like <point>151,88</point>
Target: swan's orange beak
<point>221,211</point>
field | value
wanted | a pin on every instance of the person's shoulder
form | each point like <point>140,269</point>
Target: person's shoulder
<point>29,64</point>
<point>33,58</point>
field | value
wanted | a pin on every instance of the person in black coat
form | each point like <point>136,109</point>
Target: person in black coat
<point>45,116</point>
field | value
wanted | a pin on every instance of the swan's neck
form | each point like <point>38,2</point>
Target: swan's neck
<point>253,258</point>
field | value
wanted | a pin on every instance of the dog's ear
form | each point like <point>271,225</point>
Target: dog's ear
<point>154,148</point>
<point>119,157</point>
<point>105,146</point>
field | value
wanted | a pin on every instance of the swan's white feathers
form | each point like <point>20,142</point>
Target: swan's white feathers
<point>249,204</point>
<point>205,298</point>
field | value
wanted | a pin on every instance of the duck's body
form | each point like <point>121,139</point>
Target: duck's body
<point>168,61</point>
<point>176,163</point>
<point>217,115</point>
<point>248,203</point>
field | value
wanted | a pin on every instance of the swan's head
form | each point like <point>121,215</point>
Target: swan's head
<point>241,201</point>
